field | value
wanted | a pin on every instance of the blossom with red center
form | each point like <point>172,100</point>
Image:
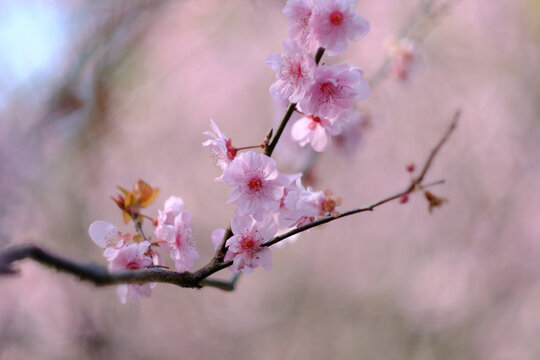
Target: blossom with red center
<point>294,72</point>
<point>315,131</point>
<point>299,14</point>
<point>132,257</point>
<point>175,231</point>
<point>334,22</point>
<point>301,206</point>
<point>257,186</point>
<point>220,146</point>
<point>334,91</point>
<point>320,203</point>
<point>244,247</point>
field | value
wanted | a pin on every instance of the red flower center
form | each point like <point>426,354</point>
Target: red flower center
<point>231,150</point>
<point>132,265</point>
<point>248,244</point>
<point>336,17</point>
<point>255,184</point>
<point>295,70</point>
<point>327,88</point>
<point>314,121</point>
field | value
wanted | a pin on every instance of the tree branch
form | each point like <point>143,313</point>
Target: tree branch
<point>220,284</point>
<point>436,149</point>
<point>96,274</point>
<point>100,276</point>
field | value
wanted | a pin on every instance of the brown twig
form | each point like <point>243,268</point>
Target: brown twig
<point>138,226</point>
<point>436,149</point>
<point>100,276</point>
<point>329,218</point>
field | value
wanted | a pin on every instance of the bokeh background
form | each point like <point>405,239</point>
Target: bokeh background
<point>99,94</point>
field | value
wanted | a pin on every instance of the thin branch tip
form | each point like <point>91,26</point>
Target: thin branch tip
<point>416,184</point>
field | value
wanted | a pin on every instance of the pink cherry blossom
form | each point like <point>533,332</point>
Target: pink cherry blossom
<point>293,213</point>
<point>257,186</point>
<point>301,206</point>
<point>172,207</point>
<point>178,241</point>
<point>175,231</point>
<point>107,236</point>
<point>315,131</point>
<point>334,91</point>
<point>299,14</point>
<point>220,146</point>
<point>334,22</point>
<point>217,237</point>
<point>320,203</point>
<point>294,72</point>
<point>244,247</point>
<point>132,257</point>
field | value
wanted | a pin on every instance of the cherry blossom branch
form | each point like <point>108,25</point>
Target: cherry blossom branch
<point>329,218</point>
<point>269,149</point>
<point>100,276</point>
<point>424,11</point>
<point>416,184</point>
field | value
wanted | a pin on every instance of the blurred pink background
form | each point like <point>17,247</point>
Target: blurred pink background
<point>94,95</point>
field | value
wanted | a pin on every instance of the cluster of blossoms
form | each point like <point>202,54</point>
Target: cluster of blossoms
<point>124,252</point>
<point>173,233</point>
<point>324,94</point>
<point>267,200</point>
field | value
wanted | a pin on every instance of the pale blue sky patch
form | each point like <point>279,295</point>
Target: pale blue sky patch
<point>32,34</point>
